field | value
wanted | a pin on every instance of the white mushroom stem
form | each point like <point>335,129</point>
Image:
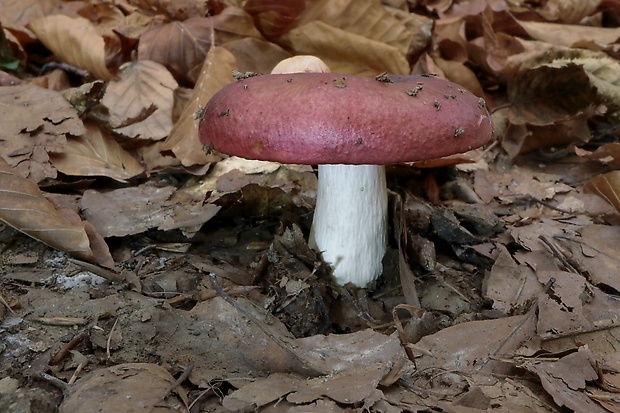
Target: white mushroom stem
<point>350,221</point>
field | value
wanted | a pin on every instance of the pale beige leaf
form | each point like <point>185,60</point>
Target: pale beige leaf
<point>142,84</point>
<point>183,140</point>
<point>346,52</point>
<point>96,154</point>
<point>74,41</point>
<point>23,207</point>
<point>606,186</point>
<point>16,14</point>
<point>567,34</point>
<point>568,11</point>
<point>367,18</point>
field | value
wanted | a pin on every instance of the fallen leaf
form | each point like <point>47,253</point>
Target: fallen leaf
<point>96,154</point>
<point>607,186</point>
<point>142,84</point>
<point>565,380</point>
<point>129,387</point>
<point>545,95</point>
<point>182,46</point>
<point>24,207</point>
<point>345,52</point>
<point>183,140</point>
<point>35,122</point>
<point>272,17</point>
<point>366,18</point>
<point>137,209</point>
<point>570,34</point>
<point>75,41</point>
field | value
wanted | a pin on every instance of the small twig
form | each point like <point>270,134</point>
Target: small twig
<point>76,372</point>
<point>64,350</point>
<point>8,307</point>
<point>555,251</point>
<point>102,272</point>
<point>179,381</point>
<point>109,342</point>
<point>60,321</point>
<point>531,198</point>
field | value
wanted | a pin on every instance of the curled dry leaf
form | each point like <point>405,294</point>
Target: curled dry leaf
<point>23,207</point>
<point>183,139</point>
<point>606,186</point>
<point>74,41</point>
<point>96,153</point>
<point>142,84</point>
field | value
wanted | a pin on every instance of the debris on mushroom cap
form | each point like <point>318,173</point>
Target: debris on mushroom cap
<point>321,118</point>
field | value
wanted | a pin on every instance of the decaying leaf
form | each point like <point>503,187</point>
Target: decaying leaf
<point>24,207</point>
<point>125,387</point>
<point>75,41</point>
<point>35,122</point>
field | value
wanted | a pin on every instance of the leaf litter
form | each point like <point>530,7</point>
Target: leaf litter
<point>181,280</point>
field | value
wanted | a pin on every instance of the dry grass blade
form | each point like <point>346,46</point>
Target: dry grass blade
<point>23,207</point>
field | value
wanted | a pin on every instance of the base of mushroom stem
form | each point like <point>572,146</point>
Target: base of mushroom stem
<point>350,221</point>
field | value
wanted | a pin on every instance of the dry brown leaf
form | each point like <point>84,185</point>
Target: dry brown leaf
<point>256,55</point>
<point>75,41</point>
<point>183,141</point>
<point>366,18</point>
<point>565,380</point>
<point>606,186</point>
<point>96,154</point>
<point>568,35</point>
<point>142,84</point>
<point>546,95</point>
<point>274,17</point>
<point>35,122</point>
<point>173,10</point>
<point>16,14</point>
<point>568,11</point>
<point>24,207</point>
<point>182,46</point>
<point>346,52</point>
<point>129,387</point>
<point>133,210</point>
<point>608,153</point>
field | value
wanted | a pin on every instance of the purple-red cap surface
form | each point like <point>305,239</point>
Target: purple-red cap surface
<point>329,118</point>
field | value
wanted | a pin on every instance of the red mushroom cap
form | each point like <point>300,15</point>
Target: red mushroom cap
<point>328,118</point>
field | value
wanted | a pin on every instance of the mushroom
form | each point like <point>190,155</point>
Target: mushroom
<point>351,126</point>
